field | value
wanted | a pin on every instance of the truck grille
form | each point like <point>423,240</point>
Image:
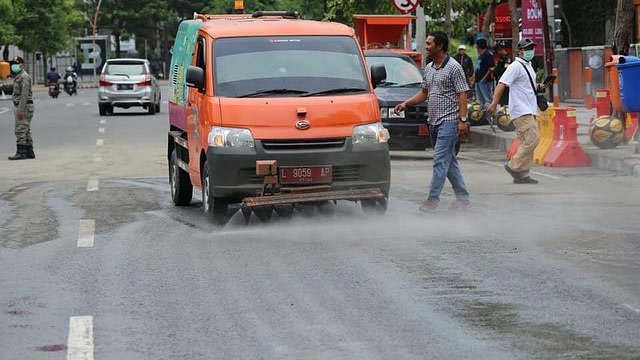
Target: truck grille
<point>303,144</point>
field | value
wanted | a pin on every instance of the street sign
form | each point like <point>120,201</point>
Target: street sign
<point>405,6</point>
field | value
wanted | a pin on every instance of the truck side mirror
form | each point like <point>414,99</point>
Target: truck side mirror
<point>378,74</point>
<point>195,77</point>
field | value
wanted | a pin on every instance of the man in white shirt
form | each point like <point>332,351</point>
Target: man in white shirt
<point>523,107</point>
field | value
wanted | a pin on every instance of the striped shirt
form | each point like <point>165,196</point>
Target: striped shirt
<point>443,85</point>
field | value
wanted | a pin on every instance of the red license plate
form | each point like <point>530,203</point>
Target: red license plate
<point>422,130</point>
<point>306,174</point>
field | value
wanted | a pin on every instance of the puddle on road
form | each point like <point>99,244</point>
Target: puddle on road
<point>31,221</point>
<point>556,340</point>
<point>453,292</point>
<point>115,205</point>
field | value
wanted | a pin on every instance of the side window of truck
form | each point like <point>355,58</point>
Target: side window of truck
<point>201,55</point>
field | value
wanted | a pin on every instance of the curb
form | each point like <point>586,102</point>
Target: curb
<point>622,160</point>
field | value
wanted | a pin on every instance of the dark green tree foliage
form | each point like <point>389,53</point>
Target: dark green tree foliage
<point>43,25</point>
<point>307,8</point>
<point>151,21</point>
<point>589,20</point>
<point>8,33</point>
<point>343,10</point>
<point>184,9</point>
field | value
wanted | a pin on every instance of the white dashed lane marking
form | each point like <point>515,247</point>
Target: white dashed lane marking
<point>636,310</point>
<point>101,130</point>
<point>86,234</point>
<point>92,184</point>
<point>80,341</point>
<point>99,142</point>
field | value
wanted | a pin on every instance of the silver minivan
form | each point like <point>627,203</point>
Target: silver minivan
<point>128,82</point>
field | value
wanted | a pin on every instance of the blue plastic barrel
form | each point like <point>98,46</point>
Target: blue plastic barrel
<point>629,79</point>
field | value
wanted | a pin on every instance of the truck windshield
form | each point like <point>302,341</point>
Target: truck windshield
<point>400,71</point>
<point>308,64</point>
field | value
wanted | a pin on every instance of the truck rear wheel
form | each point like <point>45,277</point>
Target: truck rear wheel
<point>181,187</point>
<point>215,208</point>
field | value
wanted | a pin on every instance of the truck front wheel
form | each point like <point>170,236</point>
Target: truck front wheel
<point>215,208</point>
<point>181,188</point>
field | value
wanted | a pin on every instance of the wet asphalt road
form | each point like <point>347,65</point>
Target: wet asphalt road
<point>531,272</point>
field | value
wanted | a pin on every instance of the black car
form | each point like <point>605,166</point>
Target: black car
<point>408,129</point>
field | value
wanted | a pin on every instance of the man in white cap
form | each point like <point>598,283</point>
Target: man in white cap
<point>467,64</point>
<point>520,78</point>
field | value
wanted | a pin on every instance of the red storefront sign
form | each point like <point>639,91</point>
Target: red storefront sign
<point>532,25</point>
<point>502,32</point>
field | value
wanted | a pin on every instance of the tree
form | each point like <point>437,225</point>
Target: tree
<point>184,9</point>
<point>588,19</point>
<point>622,34</point>
<point>447,18</point>
<point>515,27</point>
<point>44,25</point>
<point>7,30</point>
<point>343,10</point>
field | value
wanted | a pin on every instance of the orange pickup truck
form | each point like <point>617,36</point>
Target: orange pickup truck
<point>269,110</point>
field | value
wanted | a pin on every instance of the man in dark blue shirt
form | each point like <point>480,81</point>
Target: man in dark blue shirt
<point>53,76</point>
<point>484,74</point>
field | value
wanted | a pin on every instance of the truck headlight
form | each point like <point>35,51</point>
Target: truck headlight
<point>370,134</point>
<point>230,137</point>
<point>390,113</point>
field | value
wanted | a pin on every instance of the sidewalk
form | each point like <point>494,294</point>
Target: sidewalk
<point>623,159</point>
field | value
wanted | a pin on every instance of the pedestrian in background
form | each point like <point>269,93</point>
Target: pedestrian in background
<point>465,61</point>
<point>523,107</point>
<point>504,60</point>
<point>445,87</point>
<point>484,73</point>
<point>77,68</point>
<point>23,101</point>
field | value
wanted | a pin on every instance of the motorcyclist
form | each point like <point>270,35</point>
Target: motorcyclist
<point>70,73</point>
<point>53,76</point>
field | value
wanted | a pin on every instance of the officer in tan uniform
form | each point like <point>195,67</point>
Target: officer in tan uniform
<point>23,101</point>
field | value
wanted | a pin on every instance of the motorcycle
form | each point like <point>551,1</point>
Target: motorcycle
<point>69,86</point>
<point>54,89</point>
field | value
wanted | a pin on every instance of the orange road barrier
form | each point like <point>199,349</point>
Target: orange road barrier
<point>588,95</point>
<point>556,90</point>
<point>603,102</point>
<point>566,150</point>
<point>631,126</point>
<point>545,124</point>
<point>515,143</point>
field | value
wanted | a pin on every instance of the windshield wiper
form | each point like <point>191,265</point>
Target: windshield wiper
<point>273,91</point>
<point>410,84</point>
<point>386,83</point>
<point>335,91</point>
